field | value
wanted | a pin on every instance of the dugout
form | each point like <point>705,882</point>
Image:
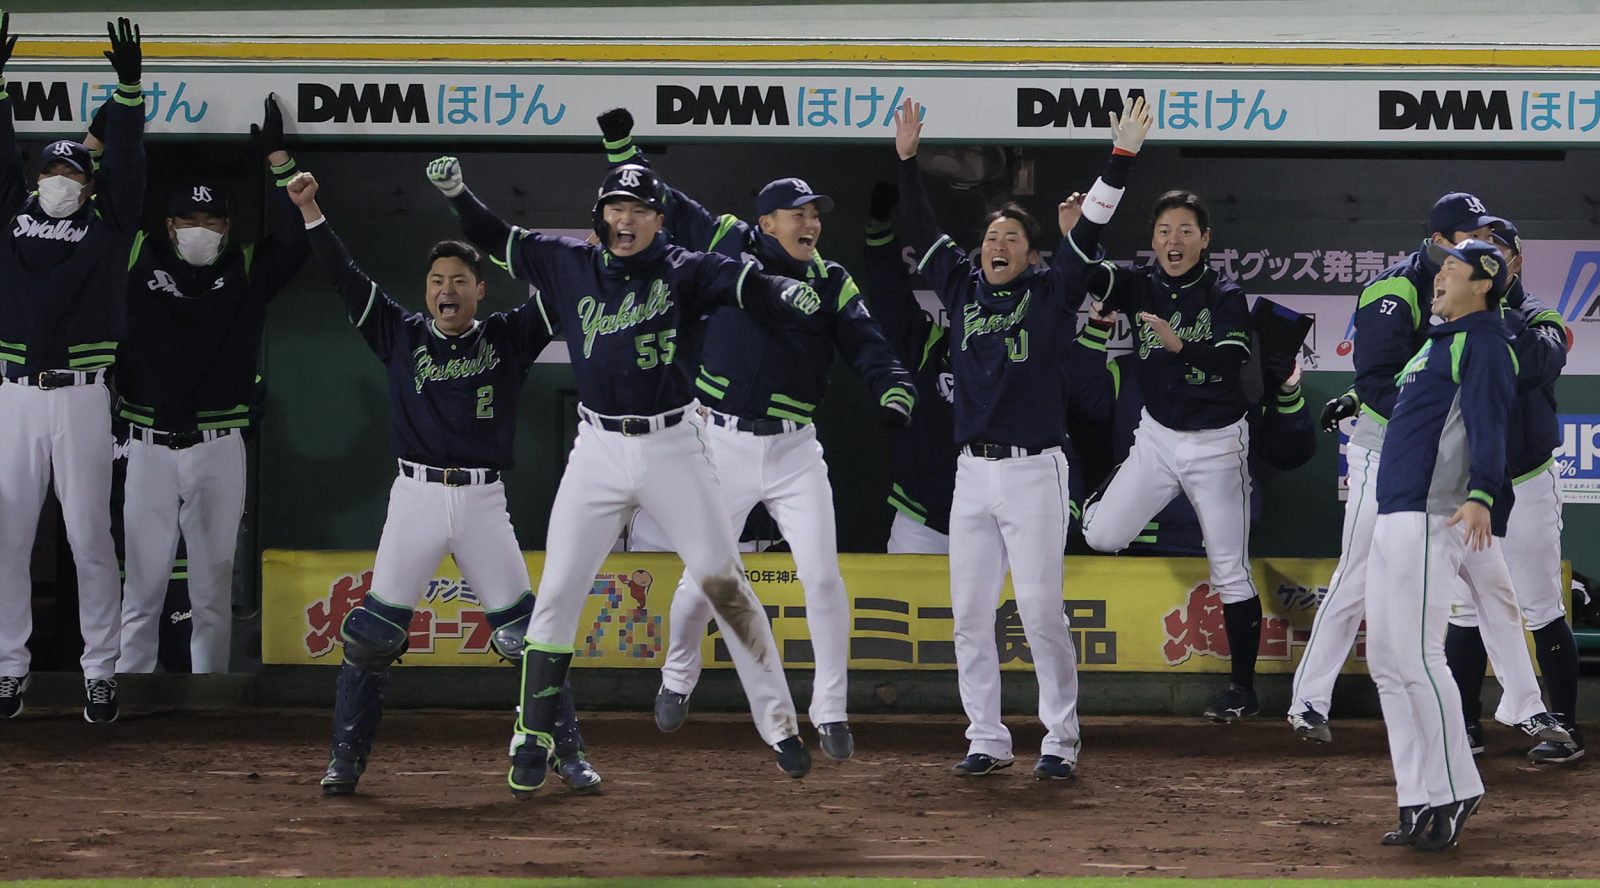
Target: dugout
<point>1319,153</point>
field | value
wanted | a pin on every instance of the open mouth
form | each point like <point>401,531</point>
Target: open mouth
<point>448,308</point>
<point>999,263</point>
<point>1174,257</point>
<point>625,237</point>
<point>808,240</point>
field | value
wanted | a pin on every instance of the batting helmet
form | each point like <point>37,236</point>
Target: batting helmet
<point>630,181</point>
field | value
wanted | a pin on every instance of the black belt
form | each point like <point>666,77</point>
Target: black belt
<point>448,477</point>
<point>758,427</point>
<point>178,440</point>
<point>1004,451</point>
<point>633,426</point>
<point>45,380</point>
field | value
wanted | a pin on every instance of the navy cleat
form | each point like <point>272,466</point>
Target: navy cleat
<point>101,705</point>
<point>12,687</point>
<point>1052,767</point>
<point>341,777</point>
<point>530,765</point>
<point>579,776</point>
<point>1413,823</point>
<point>1447,821</point>
<point>1548,753</point>
<point>1475,737</point>
<point>1310,724</point>
<point>672,709</point>
<point>977,764</point>
<point>836,740</point>
<point>793,757</point>
<point>1232,705</point>
<point>1544,726</point>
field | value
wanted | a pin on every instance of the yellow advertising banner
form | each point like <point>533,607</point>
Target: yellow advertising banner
<point>1127,614</point>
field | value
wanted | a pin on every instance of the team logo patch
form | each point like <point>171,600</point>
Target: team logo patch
<point>202,194</point>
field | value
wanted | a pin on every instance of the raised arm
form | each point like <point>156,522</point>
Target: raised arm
<point>119,185</point>
<point>275,261</point>
<point>1082,217</point>
<point>944,264</point>
<point>690,224</point>
<point>13,186</point>
<point>368,308</point>
<point>886,282</point>
<point>527,255</point>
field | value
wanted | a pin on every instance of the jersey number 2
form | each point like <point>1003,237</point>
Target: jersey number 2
<point>655,348</point>
<point>486,402</point>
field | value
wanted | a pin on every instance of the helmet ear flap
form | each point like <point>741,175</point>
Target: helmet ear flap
<point>598,222</point>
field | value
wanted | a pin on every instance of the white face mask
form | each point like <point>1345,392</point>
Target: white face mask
<point>198,246</point>
<point>59,196</point>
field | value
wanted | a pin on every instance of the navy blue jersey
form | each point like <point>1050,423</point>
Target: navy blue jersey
<point>1540,340</point>
<point>1198,387</point>
<point>1391,324</point>
<point>62,280</point>
<point>189,352</point>
<point>1106,400</point>
<point>1006,343</point>
<point>1446,441</point>
<point>634,325</point>
<point>923,472</point>
<point>780,369</point>
<point>452,399</point>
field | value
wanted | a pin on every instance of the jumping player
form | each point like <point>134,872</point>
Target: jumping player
<point>1011,498</point>
<point>632,312</point>
<point>1446,438</point>
<point>1526,556</point>
<point>454,384</point>
<point>1391,325</point>
<point>1193,339</point>
<point>762,386</point>
<point>186,375</point>
<point>63,267</point>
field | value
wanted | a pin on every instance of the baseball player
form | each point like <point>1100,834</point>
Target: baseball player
<point>1193,338</point>
<point>186,377</point>
<point>1391,325</point>
<point>1011,499</point>
<point>762,386</point>
<point>1107,395</point>
<point>454,384</point>
<point>1526,554</point>
<point>1446,438</point>
<point>632,312</point>
<point>63,262</point>
<point>923,471</point>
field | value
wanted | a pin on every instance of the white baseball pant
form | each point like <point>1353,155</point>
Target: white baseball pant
<point>1013,511</point>
<point>908,537</point>
<point>1415,561</point>
<point>1533,548</point>
<point>66,431</point>
<point>785,472</point>
<point>668,472</point>
<point>1344,605</point>
<point>1211,467</point>
<point>428,521</point>
<point>1486,598</point>
<point>198,491</point>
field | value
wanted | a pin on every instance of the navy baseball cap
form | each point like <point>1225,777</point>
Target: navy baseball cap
<point>1504,231</point>
<point>199,197</point>
<point>1459,211</point>
<point>789,194</point>
<point>73,154</point>
<point>1481,256</point>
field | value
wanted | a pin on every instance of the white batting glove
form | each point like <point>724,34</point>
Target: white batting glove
<point>1129,128</point>
<point>445,174</point>
<point>802,298</point>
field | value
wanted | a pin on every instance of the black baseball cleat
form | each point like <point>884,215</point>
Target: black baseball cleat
<point>1548,753</point>
<point>1546,727</point>
<point>1233,704</point>
<point>1052,767</point>
<point>530,765</point>
<point>977,764</point>
<point>101,707</point>
<point>793,757</point>
<point>836,740</point>
<point>1413,823</point>
<point>341,777</point>
<point>1475,737</point>
<point>12,687</point>
<point>672,709</point>
<point>579,776</point>
<point>1310,724</point>
<point>1446,822</point>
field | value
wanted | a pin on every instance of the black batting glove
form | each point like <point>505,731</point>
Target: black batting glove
<point>125,55</point>
<point>8,41</point>
<point>895,407</point>
<point>268,136</point>
<point>1338,409</point>
<point>884,197</point>
<point>616,124</point>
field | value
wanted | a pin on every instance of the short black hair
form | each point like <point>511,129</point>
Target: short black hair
<point>462,250</point>
<point>1014,211</point>
<point>1181,200</point>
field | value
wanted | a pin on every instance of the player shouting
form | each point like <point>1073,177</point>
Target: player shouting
<point>633,313</point>
<point>1011,500</point>
<point>454,384</point>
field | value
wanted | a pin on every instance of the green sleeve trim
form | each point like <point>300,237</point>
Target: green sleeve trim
<point>372,299</point>
<point>249,258</point>
<point>704,386</point>
<point>880,240</point>
<point>725,224</point>
<point>1292,406</point>
<point>778,413</point>
<point>510,236</point>
<point>1526,476</point>
<point>526,594</point>
<point>121,99</point>
<point>1115,370</point>
<point>1548,316</point>
<point>1482,497</point>
<point>738,286</point>
<point>907,506</point>
<point>1398,287</point>
<point>1374,415</point>
<point>943,239</point>
<point>138,244</point>
<point>1094,337</point>
<point>282,168</point>
<point>848,291</point>
<point>1111,282</point>
<point>796,403</point>
<point>1516,365</point>
<point>897,394</point>
<point>1458,345</point>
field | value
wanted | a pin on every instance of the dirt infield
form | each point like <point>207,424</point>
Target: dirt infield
<point>235,793</point>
